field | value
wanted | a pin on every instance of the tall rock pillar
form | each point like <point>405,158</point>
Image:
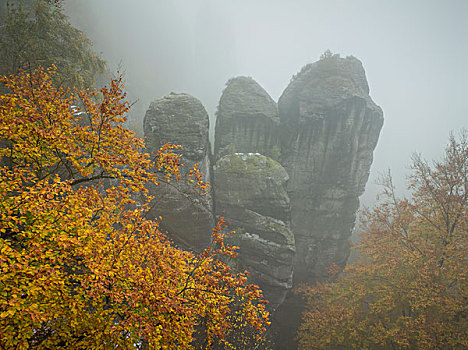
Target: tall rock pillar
<point>330,127</point>
<point>181,119</point>
<point>250,187</point>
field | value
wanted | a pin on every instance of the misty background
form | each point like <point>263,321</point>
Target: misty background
<point>415,54</point>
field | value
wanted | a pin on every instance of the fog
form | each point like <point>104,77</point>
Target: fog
<point>415,54</point>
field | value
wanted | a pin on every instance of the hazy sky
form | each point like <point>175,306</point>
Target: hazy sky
<point>415,53</point>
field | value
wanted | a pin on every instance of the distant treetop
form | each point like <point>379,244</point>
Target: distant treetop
<point>328,54</point>
<point>38,33</point>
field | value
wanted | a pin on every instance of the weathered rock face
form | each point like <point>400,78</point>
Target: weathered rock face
<point>182,120</point>
<point>247,120</point>
<point>330,127</point>
<point>250,192</point>
<point>179,119</point>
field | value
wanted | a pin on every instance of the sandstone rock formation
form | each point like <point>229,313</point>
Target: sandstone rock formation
<point>330,127</point>
<point>247,120</point>
<point>250,193</point>
<point>294,219</point>
<point>181,119</point>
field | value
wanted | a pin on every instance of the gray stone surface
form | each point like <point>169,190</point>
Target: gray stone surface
<point>250,192</point>
<point>247,120</point>
<point>330,127</point>
<point>187,216</point>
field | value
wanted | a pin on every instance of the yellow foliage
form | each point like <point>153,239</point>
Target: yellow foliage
<point>409,289</point>
<point>80,265</point>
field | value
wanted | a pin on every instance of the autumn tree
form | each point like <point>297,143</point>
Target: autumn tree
<point>81,266</point>
<point>37,33</point>
<point>409,289</point>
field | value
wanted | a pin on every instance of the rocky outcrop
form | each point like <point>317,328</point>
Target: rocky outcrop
<point>182,120</point>
<point>330,127</point>
<point>250,193</point>
<point>247,120</point>
<point>294,216</point>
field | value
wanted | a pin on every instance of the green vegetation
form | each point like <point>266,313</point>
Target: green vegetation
<point>275,153</point>
<point>39,34</point>
<point>250,163</point>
